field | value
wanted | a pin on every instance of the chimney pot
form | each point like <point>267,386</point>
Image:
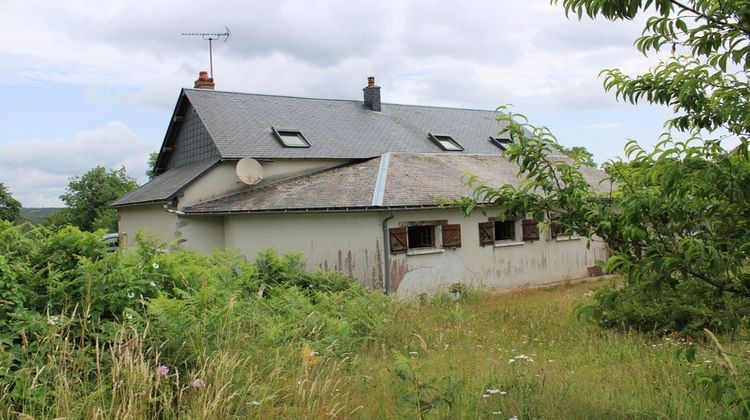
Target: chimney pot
<point>204,82</point>
<point>372,94</point>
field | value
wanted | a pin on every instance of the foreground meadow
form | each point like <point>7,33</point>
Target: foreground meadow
<point>147,333</point>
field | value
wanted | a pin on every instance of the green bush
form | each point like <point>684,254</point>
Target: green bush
<point>686,308</point>
<point>70,309</point>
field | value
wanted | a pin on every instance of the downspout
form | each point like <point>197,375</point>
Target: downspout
<point>386,255</point>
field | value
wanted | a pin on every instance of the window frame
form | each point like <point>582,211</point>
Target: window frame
<point>501,142</point>
<point>488,236</point>
<point>279,133</point>
<point>444,236</point>
<point>436,138</point>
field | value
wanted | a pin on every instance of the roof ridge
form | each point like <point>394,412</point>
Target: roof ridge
<point>335,99</point>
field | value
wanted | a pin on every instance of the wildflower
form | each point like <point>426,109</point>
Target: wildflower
<point>413,353</point>
<point>131,295</point>
<point>513,418</point>
<point>155,265</point>
<point>493,391</point>
<point>198,383</point>
<point>253,402</point>
<point>485,395</point>
<point>152,284</point>
<point>309,356</point>
<point>163,371</point>
<point>497,412</point>
<point>52,320</point>
<point>524,357</point>
<point>128,316</point>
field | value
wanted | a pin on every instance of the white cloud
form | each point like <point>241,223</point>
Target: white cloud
<point>37,171</point>
<point>601,126</point>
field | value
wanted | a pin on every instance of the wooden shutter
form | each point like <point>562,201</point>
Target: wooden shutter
<point>530,230</point>
<point>398,240</point>
<point>451,236</point>
<point>486,233</point>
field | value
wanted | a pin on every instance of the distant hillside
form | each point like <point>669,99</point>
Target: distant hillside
<point>37,214</point>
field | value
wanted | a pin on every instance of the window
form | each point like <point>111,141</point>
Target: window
<point>446,142</point>
<point>556,230</point>
<point>497,231</point>
<point>290,137</point>
<point>501,142</point>
<point>421,236</point>
<point>424,236</point>
<point>505,230</point>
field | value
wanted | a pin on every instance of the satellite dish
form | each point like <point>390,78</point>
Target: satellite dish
<point>249,171</point>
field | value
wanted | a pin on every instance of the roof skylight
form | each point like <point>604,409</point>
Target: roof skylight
<point>290,137</point>
<point>501,142</point>
<point>446,142</point>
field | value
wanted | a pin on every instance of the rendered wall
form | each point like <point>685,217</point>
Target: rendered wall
<point>501,266</point>
<point>345,242</point>
<point>151,218</point>
<point>203,234</point>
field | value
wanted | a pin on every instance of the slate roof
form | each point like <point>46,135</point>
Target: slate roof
<point>240,126</point>
<point>390,181</point>
<point>165,186</point>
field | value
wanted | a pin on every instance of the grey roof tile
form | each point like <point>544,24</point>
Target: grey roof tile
<point>412,180</point>
<point>166,185</point>
<point>240,126</point>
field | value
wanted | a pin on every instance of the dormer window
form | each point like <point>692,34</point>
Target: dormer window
<point>501,142</point>
<point>290,137</point>
<point>446,142</point>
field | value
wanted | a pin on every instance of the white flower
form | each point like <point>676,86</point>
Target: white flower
<point>513,418</point>
<point>128,316</point>
<point>497,412</point>
<point>253,403</point>
<point>52,320</point>
<point>485,395</point>
<point>131,295</point>
<point>155,265</point>
<point>493,391</point>
<point>152,284</point>
<point>413,353</point>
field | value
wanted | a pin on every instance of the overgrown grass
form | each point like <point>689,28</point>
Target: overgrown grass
<point>519,354</point>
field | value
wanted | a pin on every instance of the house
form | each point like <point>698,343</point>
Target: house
<point>352,185</point>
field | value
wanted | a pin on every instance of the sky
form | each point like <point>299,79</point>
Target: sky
<point>94,82</point>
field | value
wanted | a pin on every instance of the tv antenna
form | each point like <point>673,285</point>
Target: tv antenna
<point>211,37</point>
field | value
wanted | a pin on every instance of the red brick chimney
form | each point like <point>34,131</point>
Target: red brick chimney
<point>204,82</point>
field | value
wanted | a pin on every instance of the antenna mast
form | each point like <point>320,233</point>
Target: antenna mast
<point>211,37</point>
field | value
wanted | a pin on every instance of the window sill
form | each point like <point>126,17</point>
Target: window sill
<point>505,244</point>
<point>424,251</point>
<point>568,238</point>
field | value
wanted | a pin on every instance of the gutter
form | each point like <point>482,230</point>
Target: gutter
<point>386,255</point>
<point>188,212</point>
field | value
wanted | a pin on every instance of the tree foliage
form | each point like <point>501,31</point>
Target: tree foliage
<point>87,197</point>
<point>10,208</point>
<point>677,217</point>
<point>151,171</point>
